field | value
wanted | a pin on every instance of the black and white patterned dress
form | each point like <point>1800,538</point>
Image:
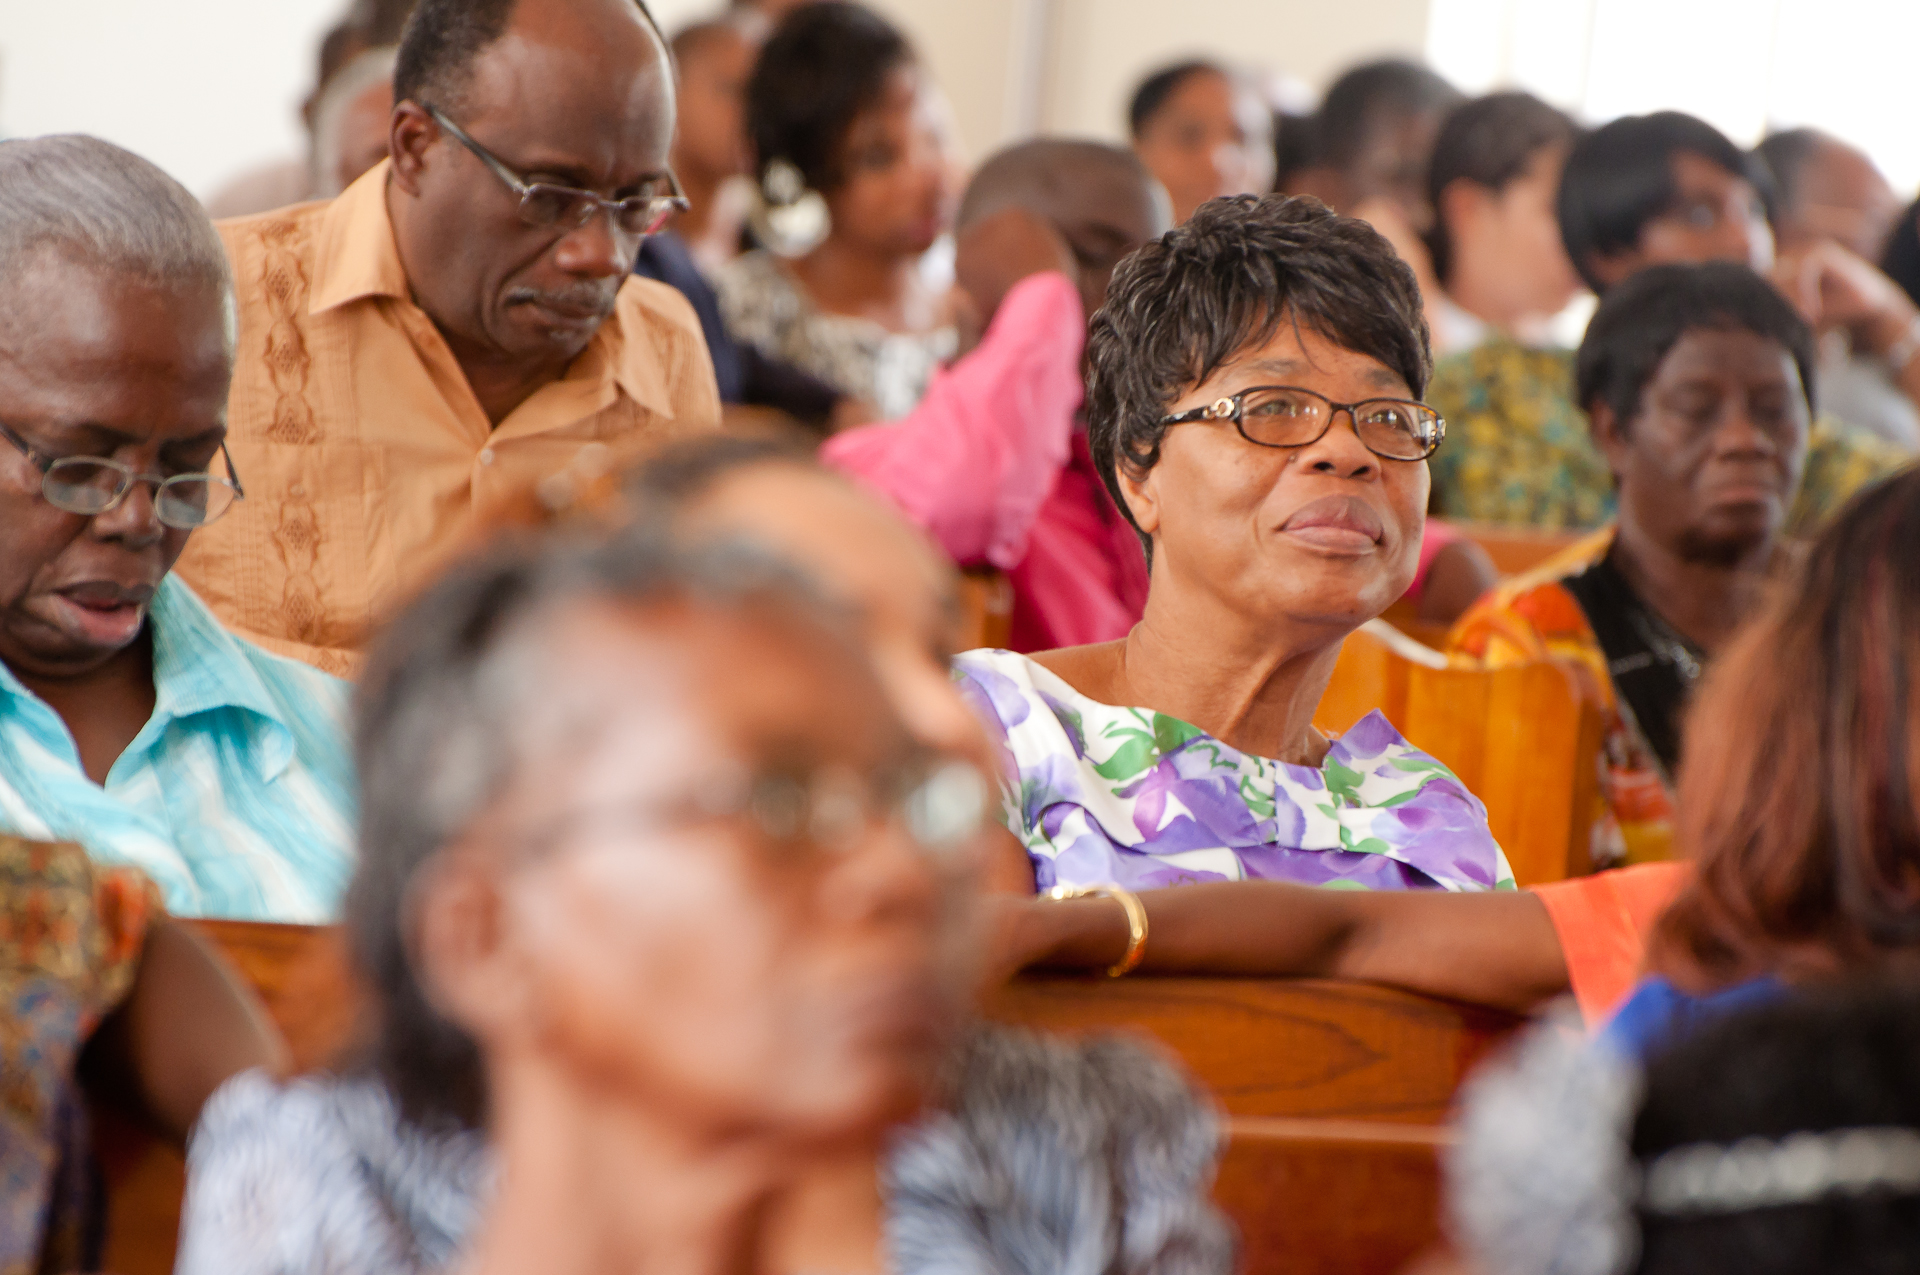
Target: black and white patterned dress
<point>1052,1158</point>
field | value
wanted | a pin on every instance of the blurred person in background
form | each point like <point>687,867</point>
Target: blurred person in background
<point>457,325</point>
<point>711,157</point>
<point>367,25</point>
<point>1646,190</point>
<point>1698,385</point>
<point>994,462</point>
<point>1801,829</point>
<point>1783,1140</point>
<point>1829,193</point>
<point>1495,241</point>
<point>1203,132</point>
<point>839,107</point>
<point>1372,139</point>
<point>350,121</point>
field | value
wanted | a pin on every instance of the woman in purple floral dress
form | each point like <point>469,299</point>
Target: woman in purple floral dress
<point>1253,406</point>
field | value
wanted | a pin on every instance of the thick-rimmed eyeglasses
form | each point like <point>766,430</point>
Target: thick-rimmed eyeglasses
<point>545,204</point>
<point>93,485</point>
<point>1287,416</point>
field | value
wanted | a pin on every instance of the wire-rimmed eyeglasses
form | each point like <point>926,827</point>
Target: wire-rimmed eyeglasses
<point>1288,416</point>
<point>93,485</point>
<point>546,204</point>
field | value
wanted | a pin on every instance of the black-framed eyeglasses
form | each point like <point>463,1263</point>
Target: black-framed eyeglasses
<point>93,485</point>
<point>1288,416</point>
<point>545,204</point>
<point>942,807</point>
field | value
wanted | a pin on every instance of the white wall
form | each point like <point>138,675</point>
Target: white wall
<point>1742,65</point>
<point>201,87</point>
<point>206,88</point>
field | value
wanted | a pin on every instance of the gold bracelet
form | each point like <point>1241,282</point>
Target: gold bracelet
<point>1136,919</point>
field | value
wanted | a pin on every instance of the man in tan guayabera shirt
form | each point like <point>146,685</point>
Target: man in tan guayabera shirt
<point>440,338</point>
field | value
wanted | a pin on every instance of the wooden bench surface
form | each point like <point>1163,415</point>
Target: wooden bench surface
<point>1281,1047</point>
<point>1331,1197</point>
<point>1333,1090</point>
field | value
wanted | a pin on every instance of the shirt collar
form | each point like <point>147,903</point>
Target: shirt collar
<point>199,667</point>
<point>357,258</point>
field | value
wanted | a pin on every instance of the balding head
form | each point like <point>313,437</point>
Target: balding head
<point>105,208</point>
<point>1828,190</point>
<point>1100,198</point>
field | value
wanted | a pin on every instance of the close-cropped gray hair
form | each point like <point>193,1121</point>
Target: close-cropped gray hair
<point>442,727</point>
<point>107,208</point>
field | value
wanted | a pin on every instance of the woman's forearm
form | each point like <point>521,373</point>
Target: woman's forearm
<point>1494,949</point>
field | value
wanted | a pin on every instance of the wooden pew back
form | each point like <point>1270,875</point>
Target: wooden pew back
<point>1280,1047</point>
<point>1522,739</point>
<point>986,605</point>
<point>1333,1090</point>
<point>1331,1197</point>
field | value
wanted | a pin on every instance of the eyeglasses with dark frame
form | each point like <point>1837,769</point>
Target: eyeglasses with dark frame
<point>1289,416</point>
<point>93,485</point>
<point>546,204</point>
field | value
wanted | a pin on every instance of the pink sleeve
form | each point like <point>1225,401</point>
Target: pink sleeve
<point>973,462</point>
<point>1436,537</point>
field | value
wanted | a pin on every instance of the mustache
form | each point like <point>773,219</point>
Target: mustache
<point>589,298</point>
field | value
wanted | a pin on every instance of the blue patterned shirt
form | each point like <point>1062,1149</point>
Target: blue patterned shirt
<point>236,797</point>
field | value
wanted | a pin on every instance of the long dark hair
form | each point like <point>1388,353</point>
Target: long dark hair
<point>1800,794</point>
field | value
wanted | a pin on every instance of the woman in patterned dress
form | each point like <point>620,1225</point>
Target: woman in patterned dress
<point>1253,407</point>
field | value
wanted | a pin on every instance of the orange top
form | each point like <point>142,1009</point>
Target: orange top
<point>365,455</point>
<point>1603,921</point>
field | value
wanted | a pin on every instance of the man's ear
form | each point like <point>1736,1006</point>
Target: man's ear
<point>409,133</point>
<point>1142,495</point>
<point>1609,434</point>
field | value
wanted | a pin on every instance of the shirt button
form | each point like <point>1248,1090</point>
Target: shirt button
<point>486,456</point>
<point>298,489</point>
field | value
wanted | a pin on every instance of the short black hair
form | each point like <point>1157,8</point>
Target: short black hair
<point>1488,141</point>
<point>1619,177</point>
<point>1370,94</point>
<point>1161,85</point>
<point>1226,279</point>
<point>445,684</point>
<point>1640,320</point>
<point>1843,1058</point>
<point>1296,147</point>
<point>441,40</point>
<point>822,66</point>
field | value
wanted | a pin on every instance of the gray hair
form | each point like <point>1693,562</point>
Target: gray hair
<point>109,209</point>
<point>375,66</point>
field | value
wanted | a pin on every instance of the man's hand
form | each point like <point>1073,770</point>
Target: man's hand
<point>996,252</point>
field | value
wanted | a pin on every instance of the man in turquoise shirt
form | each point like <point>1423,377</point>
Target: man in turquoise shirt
<point>129,720</point>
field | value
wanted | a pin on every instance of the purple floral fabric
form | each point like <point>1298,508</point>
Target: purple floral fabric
<point>1103,795</point>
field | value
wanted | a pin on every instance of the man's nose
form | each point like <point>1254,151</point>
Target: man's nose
<point>597,250</point>
<point>134,521</point>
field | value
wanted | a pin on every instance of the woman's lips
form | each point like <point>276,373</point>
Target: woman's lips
<point>1336,524</point>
